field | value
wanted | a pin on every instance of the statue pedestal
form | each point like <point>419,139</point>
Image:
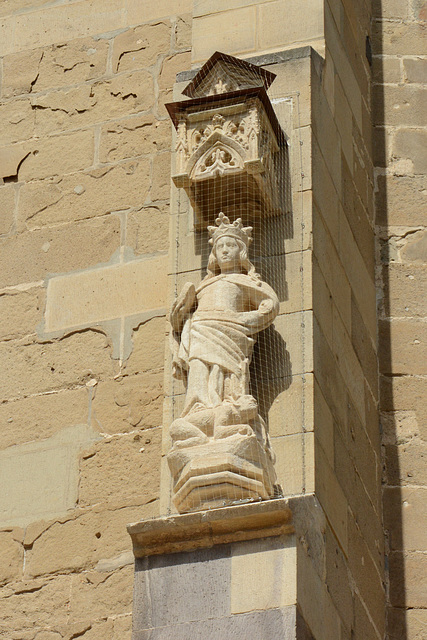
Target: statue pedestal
<point>223,573</point>
<point>220,472</point>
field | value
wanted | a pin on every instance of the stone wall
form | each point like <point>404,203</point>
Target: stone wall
<point>85,278</point>
<point>85,168</point>
<point>347,444</point>
<point>399,98</point>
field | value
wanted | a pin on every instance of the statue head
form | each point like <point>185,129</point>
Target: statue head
<point>242,237</point>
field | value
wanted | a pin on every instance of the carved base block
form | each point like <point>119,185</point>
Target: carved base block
<point>220,472</point>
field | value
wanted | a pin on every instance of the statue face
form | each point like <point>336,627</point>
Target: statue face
<point>227,253</point>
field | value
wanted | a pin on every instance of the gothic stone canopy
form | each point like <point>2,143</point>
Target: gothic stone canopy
<point>228,139</point>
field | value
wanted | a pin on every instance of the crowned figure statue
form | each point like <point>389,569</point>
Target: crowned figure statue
<point>214,329</point>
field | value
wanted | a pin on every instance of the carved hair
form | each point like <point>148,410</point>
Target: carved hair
<point>213,268</point>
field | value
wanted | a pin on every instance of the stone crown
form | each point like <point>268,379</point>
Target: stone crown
<point>226,228</point>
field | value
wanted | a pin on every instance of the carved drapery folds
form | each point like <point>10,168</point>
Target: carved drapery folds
<point>228,140</point>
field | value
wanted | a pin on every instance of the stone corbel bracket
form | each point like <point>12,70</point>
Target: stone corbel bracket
<point>204,529</point>
<point>228,141</point>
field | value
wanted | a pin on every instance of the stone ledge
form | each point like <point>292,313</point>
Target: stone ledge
<point>204,529</point>
<point>261,60</point>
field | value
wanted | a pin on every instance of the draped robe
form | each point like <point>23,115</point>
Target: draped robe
<point>231,310</point>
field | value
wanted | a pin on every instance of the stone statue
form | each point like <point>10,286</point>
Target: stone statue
<point>214,331</point>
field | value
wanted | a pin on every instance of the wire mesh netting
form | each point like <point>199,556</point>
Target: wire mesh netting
<point>227,374</point>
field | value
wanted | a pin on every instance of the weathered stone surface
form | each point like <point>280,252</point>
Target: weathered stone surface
<point>386,70</point>
<point>403,285</point>
<point>400,426</point>
<point>263,574</point>
<point>89,104</point>
<point>405,517</point>
<point>348,363</point>
<point>393,36</point>
<point>183,32</point>
<point>360,278</point>
<point>295,30</point>
<point>128,403</point>
<point>174,597</point>
<point>148,347</point>
<point>171,66</point>
<point>337,577</point>
<point>323,620</point>
<point>135,457</point>
<point>405,397</point>
<point>329,377</point>
<point>414,249</point>
<point>11,159</point>
<point>412,622</point>
<point>20,70</point>
<point>7,205</point>
<point>20,312</point>
<point>403,344</point>
<point>30,368</point>
<point>287,414</point>
<point>274,623</point>
<point>364,348</point>
<point>365,459</point>
<point>154,9</point>
<point>362,507</point>
<point>42,476</point>
<point>331,496</point>
<point>132,137</point>
<point>107,293</point>
<point>217,32</point>
<point>80,541</point>
<point>402,200</point>
<point>97,595</point>
<point>332,271</point>
<point>358,217</point>
<point>35,603</point>
<point>407,585</point>
<point>71,63</point>
<point>362,622</point>
<point>141,46</point>
<point>58,155</point>
<point>291,464</point>
<point>161,182</point>
<point>32,255</point>
<point>402,106</point>
<point>18,121</point>
<point>84,195</point>
<point>406,463</point>
<point>147,230</point>
<point>11,556</point>
<point>366,575</point>
<point>41,416</point>
<point>409,146</point>
<point>415,70</point>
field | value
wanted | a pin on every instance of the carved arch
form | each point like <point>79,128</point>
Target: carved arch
<point>217,155</point>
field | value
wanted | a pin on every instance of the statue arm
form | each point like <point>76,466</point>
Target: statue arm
<point>265,310</point>
<point>182,307</point>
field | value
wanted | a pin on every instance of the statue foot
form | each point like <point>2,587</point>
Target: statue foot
<point>190,442</point>
<point>181,431</point>
<point>231,430</point>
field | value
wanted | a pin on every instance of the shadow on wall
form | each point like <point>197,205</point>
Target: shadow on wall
<point>270,369</point>
<point>396,615</point>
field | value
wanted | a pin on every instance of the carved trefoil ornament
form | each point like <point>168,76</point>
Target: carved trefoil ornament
<point>228,140</point>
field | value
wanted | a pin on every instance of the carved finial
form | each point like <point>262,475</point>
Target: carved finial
<point>225,228</point>
<point>220,87</point>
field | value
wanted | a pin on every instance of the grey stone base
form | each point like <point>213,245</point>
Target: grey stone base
<point>273,624</point>
<point>188,596</point>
